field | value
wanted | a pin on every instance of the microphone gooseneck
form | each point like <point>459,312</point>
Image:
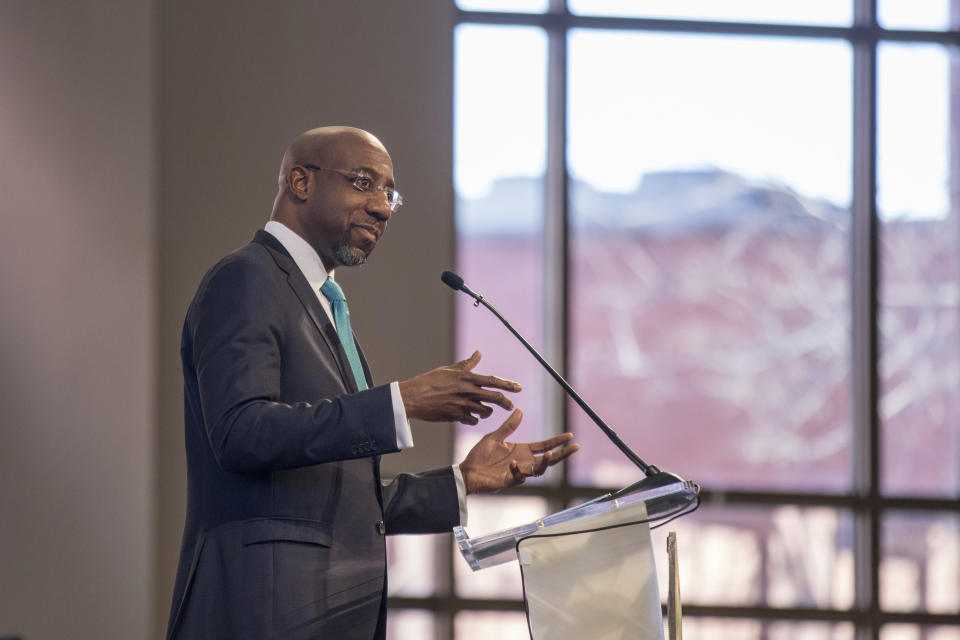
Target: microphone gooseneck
<point>655,477</point>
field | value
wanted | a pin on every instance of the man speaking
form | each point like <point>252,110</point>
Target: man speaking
<point>284,428</point>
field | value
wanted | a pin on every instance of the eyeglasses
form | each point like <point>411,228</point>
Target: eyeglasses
<point>365,184</point>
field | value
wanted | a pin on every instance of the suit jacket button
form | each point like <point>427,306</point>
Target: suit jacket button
<point>381,528</point>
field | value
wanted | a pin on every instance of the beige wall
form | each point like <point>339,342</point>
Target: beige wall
<point>140,141</point>
<point>236,82</point>
<point>77,325</point>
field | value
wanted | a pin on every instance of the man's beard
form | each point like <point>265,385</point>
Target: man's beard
<point>348,256</point>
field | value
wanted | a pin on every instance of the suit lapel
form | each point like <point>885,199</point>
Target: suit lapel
<point>303,291</point>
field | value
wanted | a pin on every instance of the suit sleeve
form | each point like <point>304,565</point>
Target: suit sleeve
<point>421,503</point>
<point>233,341</point>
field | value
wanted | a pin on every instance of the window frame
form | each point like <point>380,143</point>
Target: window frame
<point>865,501</point>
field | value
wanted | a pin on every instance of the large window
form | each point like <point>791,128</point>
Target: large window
<point>733,226</point>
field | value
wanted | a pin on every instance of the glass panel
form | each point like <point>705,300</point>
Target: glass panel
<point>914,14</point>
<point>483,625</point>
<point>920,569</point>
<point>403,624</point>
<point>780,557</point>
<point>722,629</point>
<point>412,564</point>
<point>500,160</point>
<point>489,514</point>
<point>916,632</point>
<point>824,12</point>
<point>709,266</point>
<point>913,157</point>
<point>733,629</point>
<point>920,406</point>
<point>809,631</point>
<point>516,6</point>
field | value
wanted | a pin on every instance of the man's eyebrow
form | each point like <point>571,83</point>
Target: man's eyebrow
<point>370,171</point>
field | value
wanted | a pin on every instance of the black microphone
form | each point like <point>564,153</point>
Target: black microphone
<point>655,477</point>
<point>455,282</point>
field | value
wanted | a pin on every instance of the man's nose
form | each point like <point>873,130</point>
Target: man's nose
<point>378,206</point>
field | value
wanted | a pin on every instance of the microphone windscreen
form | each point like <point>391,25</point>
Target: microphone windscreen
<point>452,280</point>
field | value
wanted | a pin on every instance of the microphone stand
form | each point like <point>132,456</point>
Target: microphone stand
<point>654,476</point>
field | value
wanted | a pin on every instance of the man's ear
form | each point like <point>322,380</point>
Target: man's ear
<point>298,183</point>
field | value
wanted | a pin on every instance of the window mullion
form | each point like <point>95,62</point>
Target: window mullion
<point>865,331</point>
<point>556,236</point>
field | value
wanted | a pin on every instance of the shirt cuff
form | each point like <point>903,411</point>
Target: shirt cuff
<point>400,422</point>
<point>461,494</point>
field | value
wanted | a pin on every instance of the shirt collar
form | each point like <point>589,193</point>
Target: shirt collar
<point>302,253</point>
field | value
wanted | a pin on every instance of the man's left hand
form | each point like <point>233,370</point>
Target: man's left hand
<point>495,464</point>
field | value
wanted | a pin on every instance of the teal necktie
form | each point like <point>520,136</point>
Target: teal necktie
<point>341,319</point>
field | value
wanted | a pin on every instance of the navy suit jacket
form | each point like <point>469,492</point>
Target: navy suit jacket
<point>286,513</point>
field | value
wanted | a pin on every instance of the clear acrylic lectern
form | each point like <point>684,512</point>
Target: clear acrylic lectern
<point>588,571</point>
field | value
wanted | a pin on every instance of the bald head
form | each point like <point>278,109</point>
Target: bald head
<point>323,146</point>
<point>317,200</point>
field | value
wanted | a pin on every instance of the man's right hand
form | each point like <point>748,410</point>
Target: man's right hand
<point>455,393</point>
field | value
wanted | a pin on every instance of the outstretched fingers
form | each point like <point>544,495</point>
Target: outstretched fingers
<point>551,453</point>
<point>495,382</point>
<point>455,392</point>
<point>467,364</point>
<point>509,426</point>
<point>491,397</point>
<point>550,443</point>
<point>494,463</point>
<point>481,389</point>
